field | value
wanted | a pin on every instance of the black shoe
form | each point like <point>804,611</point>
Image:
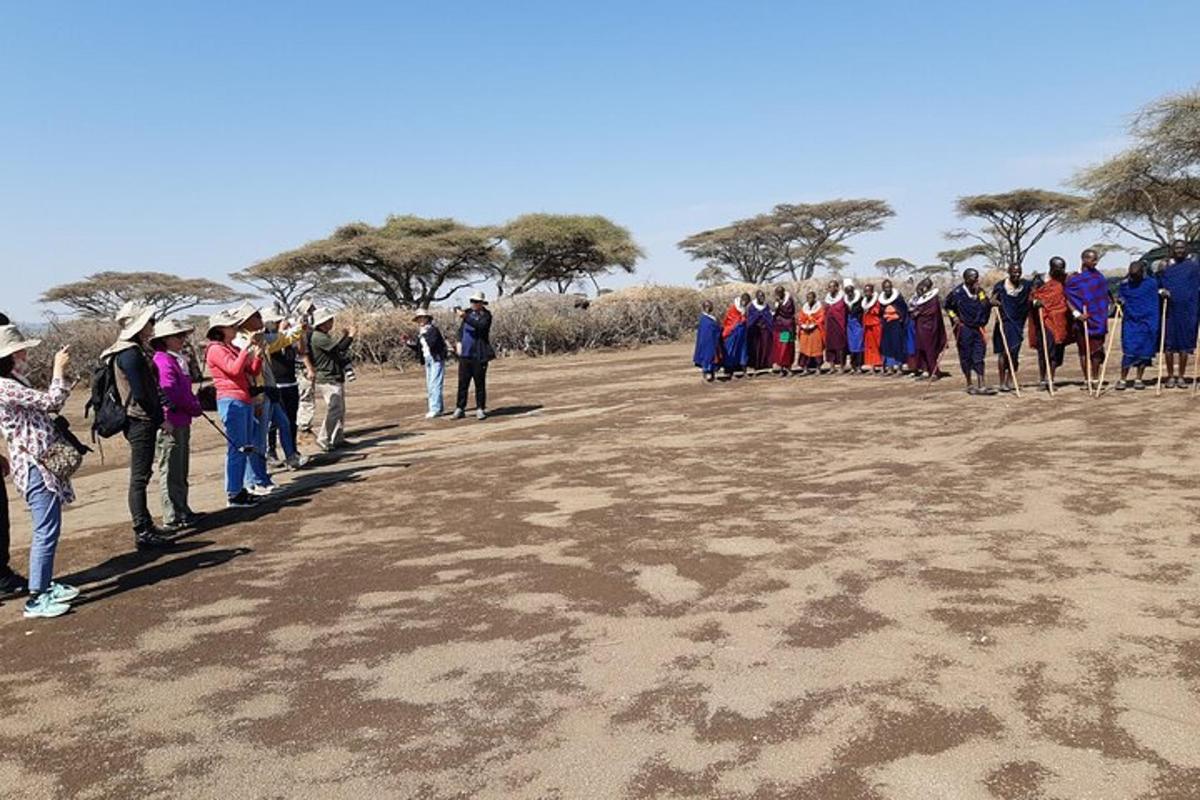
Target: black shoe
<point>152,539</point>
<point>242,499</point>
<point>13,585</point>
<point>190,520</point>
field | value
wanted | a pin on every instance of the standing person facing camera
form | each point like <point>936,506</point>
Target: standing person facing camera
<point>430,347</point>
<point>27,423</point>
<point>137,385</point>
<point>474,353</point>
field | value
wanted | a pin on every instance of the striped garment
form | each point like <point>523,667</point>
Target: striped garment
<point>1089,289</point>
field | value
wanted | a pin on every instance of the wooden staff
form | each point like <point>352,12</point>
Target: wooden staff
<point>1012,370</point>
<point>1196,377</point>
<point>1087,347</point>
<point>1046,349</point>
<point>1162,345</point>
<point>1112,337</point>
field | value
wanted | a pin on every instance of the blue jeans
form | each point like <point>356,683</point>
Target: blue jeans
<point>46,509</point>
<point>283,427</point>
<point>238,418</point>
<point>256,463</point>
<point>435,376</point>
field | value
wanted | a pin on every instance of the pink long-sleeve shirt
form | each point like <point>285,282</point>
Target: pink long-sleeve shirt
<point>231,369</point>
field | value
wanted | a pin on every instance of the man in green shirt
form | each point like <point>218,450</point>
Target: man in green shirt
<point>329,359</point>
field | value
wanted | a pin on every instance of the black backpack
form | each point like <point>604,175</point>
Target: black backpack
<point>111,415</point>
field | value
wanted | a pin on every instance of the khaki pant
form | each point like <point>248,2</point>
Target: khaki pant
<point>174,452</point>
<point>308,404</point>
<point>333,430</point>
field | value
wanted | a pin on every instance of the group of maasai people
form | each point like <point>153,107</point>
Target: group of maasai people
<point>883,333</point>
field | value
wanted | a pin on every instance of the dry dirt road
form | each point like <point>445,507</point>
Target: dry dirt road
<point>629,584</point>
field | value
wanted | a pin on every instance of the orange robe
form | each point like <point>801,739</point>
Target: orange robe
<point>872,321</point>
<point>811,332</point>
<point>1053,297</point>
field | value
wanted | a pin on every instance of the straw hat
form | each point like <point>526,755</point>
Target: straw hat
<point>243,313</point>
<point>269,314</point>
<point>421,313</point>
<point>11,341</point>
<point>305,306</point>
<point>323,316</point>
<point>221,319</point>
<point>134,325</point>
<point>170,327</point>
<point>478,297</point>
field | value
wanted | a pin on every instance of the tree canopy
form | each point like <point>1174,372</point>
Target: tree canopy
<point>562,250</point>
<point>289,277</point>
<point>891,267</point>
<point>103,293</point>
<point>712,275</point>
<point>1015,221</point>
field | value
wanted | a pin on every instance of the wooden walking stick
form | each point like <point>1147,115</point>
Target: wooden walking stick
<point>1196,377</point>
<point>1162,345</point>
<point>1112,337</point>
<point>1087,347</point>
<point>1012,370</point>
<point>1046,349</point>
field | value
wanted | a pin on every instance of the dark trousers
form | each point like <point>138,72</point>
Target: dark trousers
<point>4,534</point>
<point>971,350</point>
<point>471,369</point>
<point>289,398</point>
<point>142,436</point>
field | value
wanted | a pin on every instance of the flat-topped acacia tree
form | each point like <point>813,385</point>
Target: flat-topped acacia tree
<point>561,250</point>
<point>1015,221</point>
<point>101,294</point>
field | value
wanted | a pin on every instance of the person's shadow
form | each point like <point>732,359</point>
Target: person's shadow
<point>152,573</point>
<point>513,411</point>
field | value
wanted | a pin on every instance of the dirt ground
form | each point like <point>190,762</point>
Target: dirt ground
<point>630,584</point>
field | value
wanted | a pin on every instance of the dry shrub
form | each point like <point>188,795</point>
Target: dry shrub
<point>87,338</point>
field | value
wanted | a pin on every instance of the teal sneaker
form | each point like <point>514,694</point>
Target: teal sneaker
<point>61,593</point>
<point>44,607</point>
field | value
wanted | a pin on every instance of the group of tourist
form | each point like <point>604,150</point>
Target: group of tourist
<point>268,372</point>
<point>868,332</point>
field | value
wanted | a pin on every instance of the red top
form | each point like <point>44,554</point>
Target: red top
<point>231,369</point>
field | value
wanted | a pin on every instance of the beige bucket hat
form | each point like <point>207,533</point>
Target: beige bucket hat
<point>12,341</point>
<point>421,313</point>
<point>135,324</point>
<point>221,319</point>
<point>170,327</point>
<point>478,297</point>
<point>269,314</point>
<point>243,313</point>
<point>323,316</point>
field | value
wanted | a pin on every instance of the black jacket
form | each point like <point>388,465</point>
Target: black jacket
<point>434,340</point>
<point>142,377</point>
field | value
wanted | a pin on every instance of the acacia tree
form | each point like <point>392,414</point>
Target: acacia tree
<point>101,294</point>
<point>712,275</point>
<point>1167,131</point>
<point>562,250</point>
<point>891,267</point>
<point>748,248</point>
<point>288,277</point>
<point>1015,221</point>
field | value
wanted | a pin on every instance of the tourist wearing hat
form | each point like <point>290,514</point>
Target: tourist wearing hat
<point>474,353</point>
<point>306,379</point>
<point>137,383</point>
<point>276,424</point>
<point>27,424</point>
<point>231,369</point>
<point>173,445</point>
<point>12,583</point>
<point>257,479</point>
<point>430,348</point>
<point>329,357</point>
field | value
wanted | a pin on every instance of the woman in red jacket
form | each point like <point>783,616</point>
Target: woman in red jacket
<point>230,369</point>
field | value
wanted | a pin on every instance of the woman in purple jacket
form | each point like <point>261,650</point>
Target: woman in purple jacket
<point>174,439</point>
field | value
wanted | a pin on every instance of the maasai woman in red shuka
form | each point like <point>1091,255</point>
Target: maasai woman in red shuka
<point>733,337</point>
<point>1050,298</point>
<point>872,320</point>
<point>811,333</point>
<point>784,331</point>
<point>836,342</point>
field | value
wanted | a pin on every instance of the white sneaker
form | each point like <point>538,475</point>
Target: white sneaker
<point>481,414</point>
<point>298,461</point>
<point>263,491</point>
<point>433,415</point>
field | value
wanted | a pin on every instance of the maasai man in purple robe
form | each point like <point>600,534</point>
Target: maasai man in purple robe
<point>1181,282</point>
<point>783,352</point>
<point>894,339</point>
<point>835,326</point>
<point>1139,298</point>
<point>759,325</point>
<point>1012,297</point>
<point>707,355</point>
<point>1088,298</point>
<point>929,330</point>
<point>970,309</point>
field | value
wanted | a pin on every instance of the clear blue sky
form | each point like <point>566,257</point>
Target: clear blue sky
<point>199,137</point>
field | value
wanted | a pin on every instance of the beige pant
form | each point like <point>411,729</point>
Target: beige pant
<point>308,404</point>
<point>333,426</point>
<point>174,451</point>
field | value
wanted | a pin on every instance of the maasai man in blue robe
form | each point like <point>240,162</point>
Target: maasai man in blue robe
<point>854,326</point>
<point>970,309</point>
<point>894,341</point>
<point>1011,296</point>
<point>1138,296</point>
<point>760,323</point>
<point>1088,298</point>
<point>1181,280</point>
<point>707,355</point>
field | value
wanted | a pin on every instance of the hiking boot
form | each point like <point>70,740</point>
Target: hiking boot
<point>44,607</point>
<point>61,592</point>
<point>458,414</point>
<point>13,584</point>
<point>152,539</point>
<point>242,499</point>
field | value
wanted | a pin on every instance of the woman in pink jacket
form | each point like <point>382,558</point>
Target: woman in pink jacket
<point>174,438</point>
<point>231,369</point>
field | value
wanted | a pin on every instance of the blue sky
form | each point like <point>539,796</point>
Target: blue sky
<point>198,137</point>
